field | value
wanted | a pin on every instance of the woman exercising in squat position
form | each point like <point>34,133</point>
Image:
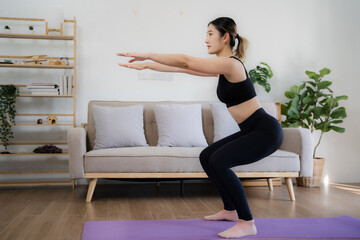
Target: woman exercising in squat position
<point>260,134</point>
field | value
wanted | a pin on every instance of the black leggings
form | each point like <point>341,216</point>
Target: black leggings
<point>260,136</point>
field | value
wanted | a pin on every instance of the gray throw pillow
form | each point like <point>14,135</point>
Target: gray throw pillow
<point>119,126</point>
<point>179,125</point>
<point>224,123</point>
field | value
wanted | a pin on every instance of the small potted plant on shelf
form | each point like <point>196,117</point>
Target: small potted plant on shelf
<point>31,29</point>
<point>8,94</point>
<point>7,29</point>
<point>261,74</point>
<point>312,105</point>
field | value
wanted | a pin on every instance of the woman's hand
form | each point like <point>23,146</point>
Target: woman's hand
<point>136,66</point>
<point>134,56</point>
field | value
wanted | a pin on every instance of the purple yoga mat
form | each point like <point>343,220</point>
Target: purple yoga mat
<point>199,229</point>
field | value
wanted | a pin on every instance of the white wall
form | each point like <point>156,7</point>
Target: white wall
<point>291,35</point>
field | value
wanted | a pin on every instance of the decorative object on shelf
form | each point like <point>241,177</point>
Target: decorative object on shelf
<point>55,15</point>
<point>31,29</point>
<point>8,61</point>
<point>47,149</point>
<point>261,75</point>
<point>61,30</point>
<point>313,106</point>
<point>7,29</point>
<point>52,119</point>
<point>8,94</point>
<point>64,60</point>
<point>37,59</point>
<point>39,121</point>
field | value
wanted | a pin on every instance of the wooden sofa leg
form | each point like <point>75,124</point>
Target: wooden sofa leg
<point>91,189</point>
<point>270,184</point>
<point>290,188</point>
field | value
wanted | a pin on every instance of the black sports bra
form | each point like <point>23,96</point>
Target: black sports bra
<point>235,93</point>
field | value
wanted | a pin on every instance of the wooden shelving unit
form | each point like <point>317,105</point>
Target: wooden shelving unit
<point>39,125</point>
<point>35,36</point>
<point>55,96</point>
<point>35,66</point>
<point>37,183</point>
<point>38,154</point>
<point>72,67</point>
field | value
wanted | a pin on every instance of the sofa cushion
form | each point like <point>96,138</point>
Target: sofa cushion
<point>175,159</point>
<point>224,123</point>
<point>179,125</point>
<point>119,126</point>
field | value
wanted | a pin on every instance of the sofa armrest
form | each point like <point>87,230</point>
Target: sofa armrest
<point>299,141</point>
<point>77,149</point>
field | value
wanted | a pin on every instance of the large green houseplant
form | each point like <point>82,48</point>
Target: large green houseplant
<point>260,74</point>
<point>8,94</point>
<point>312,105</point>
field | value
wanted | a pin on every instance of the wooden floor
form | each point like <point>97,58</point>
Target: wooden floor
<point>60,212</point>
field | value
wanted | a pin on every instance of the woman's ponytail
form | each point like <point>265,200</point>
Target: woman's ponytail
<point>242,46</point>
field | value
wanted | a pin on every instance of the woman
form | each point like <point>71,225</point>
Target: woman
<point>260,133</point>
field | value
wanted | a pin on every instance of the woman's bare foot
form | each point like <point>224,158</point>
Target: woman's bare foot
<point>223,215</point>
<point>242,228</point>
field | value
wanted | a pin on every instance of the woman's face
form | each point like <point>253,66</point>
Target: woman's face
<point>213,40</point>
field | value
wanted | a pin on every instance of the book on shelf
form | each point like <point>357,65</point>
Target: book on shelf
<point>45,91</point>
<point>66,83</point>
<point>42,86</point>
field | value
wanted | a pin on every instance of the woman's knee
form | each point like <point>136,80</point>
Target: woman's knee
<point>217,162</point>
<point>204,157</point>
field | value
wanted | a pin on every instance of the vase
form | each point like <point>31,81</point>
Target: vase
<point>315,180</point>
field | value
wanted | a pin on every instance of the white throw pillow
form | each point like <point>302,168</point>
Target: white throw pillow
<point>224,123</point>
<point>179,125</point>
<point>119,126</point>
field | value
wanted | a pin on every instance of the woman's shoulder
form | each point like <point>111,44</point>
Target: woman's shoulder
<point>236,58</point>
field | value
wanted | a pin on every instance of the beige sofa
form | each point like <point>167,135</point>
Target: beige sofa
<point>293,159</point>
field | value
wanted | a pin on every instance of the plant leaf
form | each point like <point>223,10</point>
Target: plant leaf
<point>337,121</point>
<point>311,83</point>
<point>342,97</point>
<point>331,101</point>
<point>290,95</point>
<point>324,84</point>
<point>338,113</point>
<point>302,86</point>
<point>324,72</point>
<point>312,75</point>
<point>294,89</point>
<point>337,129</point>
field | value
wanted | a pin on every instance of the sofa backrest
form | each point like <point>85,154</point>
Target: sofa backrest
<point>150,127</point>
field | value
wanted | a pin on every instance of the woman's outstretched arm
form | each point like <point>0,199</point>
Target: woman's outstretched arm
<point>219,65</point>
<point>163,68</point>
